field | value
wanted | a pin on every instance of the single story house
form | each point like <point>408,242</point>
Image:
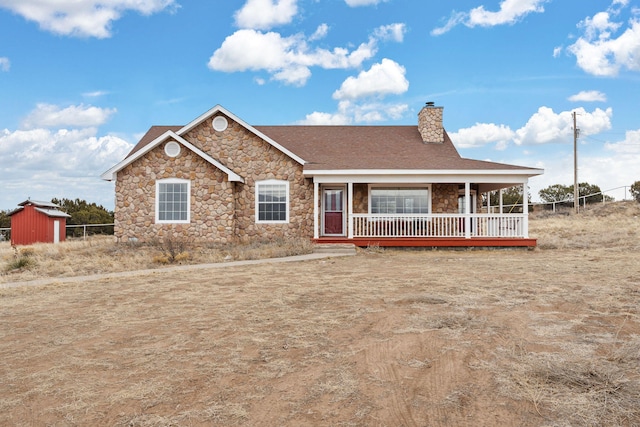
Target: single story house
<point>219,179</point>
<point>37,222</point>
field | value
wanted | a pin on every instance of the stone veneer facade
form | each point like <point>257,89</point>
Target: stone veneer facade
<point>430,124</point>
<point>224,211</point>
<point>221,211</point>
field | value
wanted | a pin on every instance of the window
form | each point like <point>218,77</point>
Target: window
<point>462,202</point>
<point>173,201</point>
<point>272,201</point>
<point>400,200</point>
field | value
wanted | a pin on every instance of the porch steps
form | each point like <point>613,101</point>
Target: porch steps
<point>335,248</point>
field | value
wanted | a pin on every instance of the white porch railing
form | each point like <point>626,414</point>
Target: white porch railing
<point>438,225</point>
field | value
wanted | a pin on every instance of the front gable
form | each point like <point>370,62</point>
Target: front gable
<point>215,119</point>
<point>166,138</point>
<point>172,166</point>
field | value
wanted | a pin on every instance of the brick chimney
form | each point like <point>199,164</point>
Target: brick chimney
<point>430,124</point>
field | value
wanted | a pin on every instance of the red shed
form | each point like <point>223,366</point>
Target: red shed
<point>36,222</point>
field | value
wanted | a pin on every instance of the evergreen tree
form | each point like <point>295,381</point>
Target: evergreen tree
<point>635,191</point>
<point>83,212</point>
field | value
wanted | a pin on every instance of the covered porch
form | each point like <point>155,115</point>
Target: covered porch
<point>418,211</point>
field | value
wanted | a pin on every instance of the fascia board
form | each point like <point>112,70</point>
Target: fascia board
<point>109,175</point>
<point>220,109</point>
<point>426,172</point>
<point>195,122</point>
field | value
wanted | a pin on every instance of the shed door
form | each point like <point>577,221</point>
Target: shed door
<point>333,202</point>
<point>56,231</point>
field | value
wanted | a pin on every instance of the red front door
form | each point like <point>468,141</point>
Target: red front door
<point>333,211</point>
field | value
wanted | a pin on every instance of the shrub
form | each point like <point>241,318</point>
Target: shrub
<point>20,263</point>
<point>174,249</point>
<point>635,191</point>
<point>22,259</point>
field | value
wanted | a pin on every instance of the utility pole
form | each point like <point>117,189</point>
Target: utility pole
<point>576,191</point>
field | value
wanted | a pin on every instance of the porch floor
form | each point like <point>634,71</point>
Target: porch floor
<point>435,242</point>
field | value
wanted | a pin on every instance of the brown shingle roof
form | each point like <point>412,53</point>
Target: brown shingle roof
<point>152,133</point>
<point>371,147</point>
<point>359,147</point>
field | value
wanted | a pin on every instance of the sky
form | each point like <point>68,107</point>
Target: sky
<point>82,80</point>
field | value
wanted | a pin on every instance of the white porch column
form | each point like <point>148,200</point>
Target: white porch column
<point>467,210</point>
<point>316,197</point>
<point>525,210</point>
<point>350,210</point>
<point>500,197</point>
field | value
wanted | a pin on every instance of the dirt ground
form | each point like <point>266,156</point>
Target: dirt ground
<point>549,337</point>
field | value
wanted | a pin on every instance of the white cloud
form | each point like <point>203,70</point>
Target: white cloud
<point>394,32</point>
<point>630,145</point>
<point>482,134</point>
<point>95,94</point>
<point>5,64</point>
<point>546,127</point>
<point>351,112</point>
<point>374,112</point>
<point>87,18</point>
<point>455,19</point>
<point>45,163</point>
<point>320,33</point>
<point>48,116</point>
<point>253,50</point>
<point>609,172</point>
<point>588,96</point>
<point>599,52</point>
<point>294,74</point>
<point>319,118</point>
<point>611,169</point>
<point>543,127</point>
<point>557,51</point>
<point>511,11</point>
<point>384,78</point>
<point>266,14</point>
<point>289,59</point>
<point>356,3</point>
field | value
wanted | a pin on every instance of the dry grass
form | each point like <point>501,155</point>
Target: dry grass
<point>613,225</point>
<point>101,254</point>
<point>549,337</point>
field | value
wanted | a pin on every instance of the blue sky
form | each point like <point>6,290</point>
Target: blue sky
<point>81,81</point>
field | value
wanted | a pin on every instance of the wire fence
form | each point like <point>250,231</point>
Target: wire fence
<point>85,230</point>
<point>73,231</point>
<point>606,196</point>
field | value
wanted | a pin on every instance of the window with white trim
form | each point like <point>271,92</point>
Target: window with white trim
<point>272,201</point>
<point>399,200</point>
<point>173,200</point>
